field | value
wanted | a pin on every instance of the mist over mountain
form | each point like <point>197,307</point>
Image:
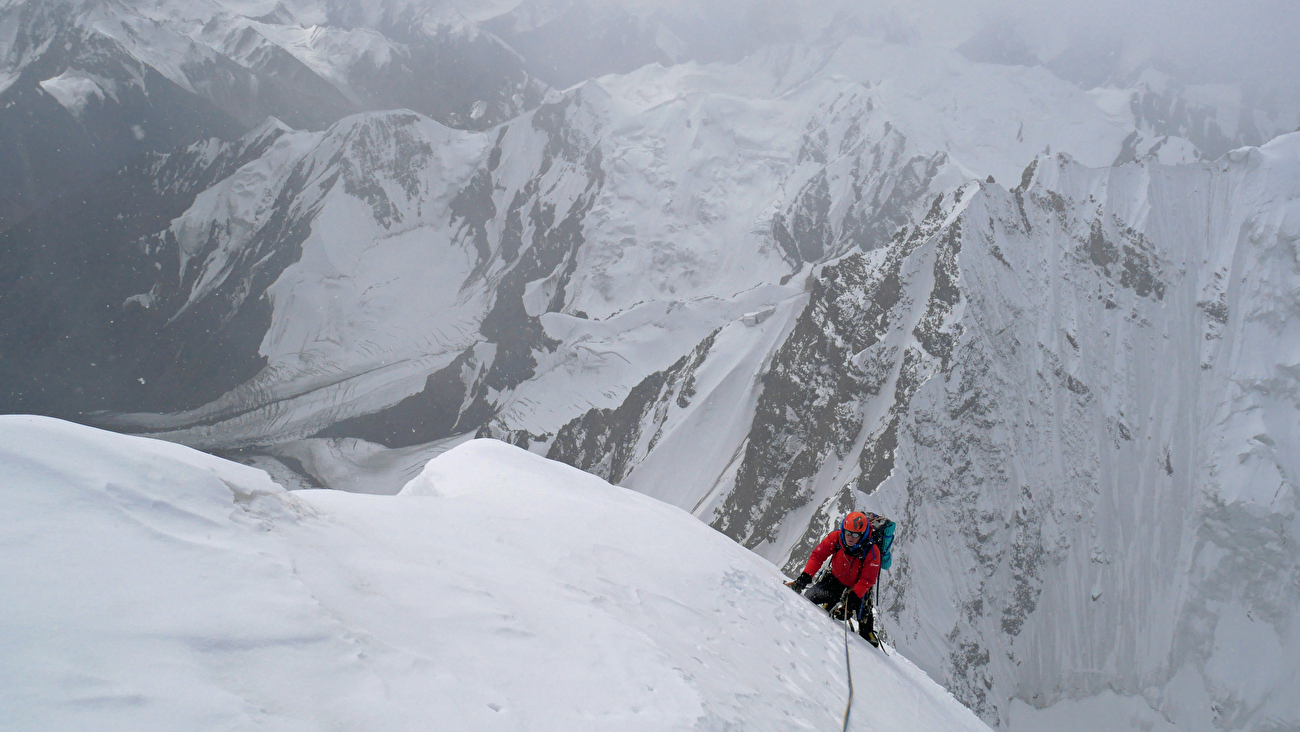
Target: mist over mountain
<point>1021,278</point>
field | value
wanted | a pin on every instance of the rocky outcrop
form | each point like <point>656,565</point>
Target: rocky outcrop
<point>612,442</point>
<point>831,401</point>
<point>863,181</point>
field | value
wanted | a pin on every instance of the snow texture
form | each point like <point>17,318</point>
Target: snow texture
<point>149,586</point>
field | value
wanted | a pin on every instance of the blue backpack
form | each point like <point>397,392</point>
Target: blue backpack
<point>882,535</point>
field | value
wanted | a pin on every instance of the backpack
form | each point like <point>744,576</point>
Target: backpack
<point>882,535</point>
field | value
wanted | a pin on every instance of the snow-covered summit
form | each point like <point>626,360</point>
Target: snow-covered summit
<point>152,587</point>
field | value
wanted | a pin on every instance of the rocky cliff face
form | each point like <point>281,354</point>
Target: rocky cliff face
<point>614,441</point>
<point>1116,325</point>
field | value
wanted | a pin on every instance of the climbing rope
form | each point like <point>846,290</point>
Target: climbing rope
<point>847,665</point>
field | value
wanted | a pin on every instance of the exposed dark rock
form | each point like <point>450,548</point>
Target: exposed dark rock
<point>1215,310</point>
<point>877,462</point>
<point>47,153</point>
<point>1139,268</point>
<point>810,407</point>
<point>1027,175</point>
<point>386,148</point>
<point>516,333</point>
<point>808,235</point>
<point>1168,112</point>
<point>873,220</point>
<point>972,680</point>
<point>1128,149</point>
<point>886,190</point>
<point>930,331</point>
<point>611,442</point>
<point>512,235</point>
<point>474,208</point>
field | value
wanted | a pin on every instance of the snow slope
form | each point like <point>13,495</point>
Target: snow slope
<point>149,586</point>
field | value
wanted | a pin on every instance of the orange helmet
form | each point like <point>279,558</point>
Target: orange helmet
<point>856,522</point>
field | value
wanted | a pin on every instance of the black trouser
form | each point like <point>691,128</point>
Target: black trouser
<point>830,590</point>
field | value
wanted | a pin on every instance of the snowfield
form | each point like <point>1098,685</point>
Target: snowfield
<point>150,586</point>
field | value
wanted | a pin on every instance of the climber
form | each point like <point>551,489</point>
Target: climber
<point>855,550</point>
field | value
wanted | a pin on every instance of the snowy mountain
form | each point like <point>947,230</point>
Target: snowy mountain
<point>1071,393</point>
<point>87,85</point>
<point>764,284</point>
<point>151,586</point>
<point>745,172</point>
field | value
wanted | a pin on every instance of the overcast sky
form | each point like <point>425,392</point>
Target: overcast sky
<point>1212,40</point>
<point>1219,39</point>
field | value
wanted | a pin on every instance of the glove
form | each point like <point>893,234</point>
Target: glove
<point>801,583</point>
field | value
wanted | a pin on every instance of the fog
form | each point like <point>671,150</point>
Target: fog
<point>1251,43</point>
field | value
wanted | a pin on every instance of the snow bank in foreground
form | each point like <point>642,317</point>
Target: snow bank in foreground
<point>148,586</point>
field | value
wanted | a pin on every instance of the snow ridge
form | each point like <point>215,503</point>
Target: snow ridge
<point>150,586</point>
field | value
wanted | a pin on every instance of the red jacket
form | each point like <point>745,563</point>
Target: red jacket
<point>858,572</point>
